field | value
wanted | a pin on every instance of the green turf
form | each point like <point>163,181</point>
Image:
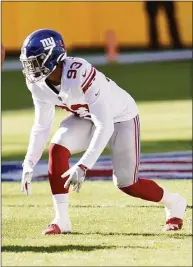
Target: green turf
<point>145,82</point>
<point>109,229</point>
<point>165,126</point>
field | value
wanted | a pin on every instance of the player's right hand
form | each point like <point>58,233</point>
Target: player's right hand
<point>27,177</point>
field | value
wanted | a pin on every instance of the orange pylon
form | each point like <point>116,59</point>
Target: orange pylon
<point>2,54</point>
<point>111,46</point>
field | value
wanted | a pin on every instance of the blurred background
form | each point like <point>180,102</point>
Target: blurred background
<point>85,26</point>
<point>143,46</point>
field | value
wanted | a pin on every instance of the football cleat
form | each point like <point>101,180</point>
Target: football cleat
<point>52,229</point>
<point>175,213</point>
<point>56,229</point>
<point>174,224</point>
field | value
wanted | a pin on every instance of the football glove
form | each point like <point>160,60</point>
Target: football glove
<point>76,177</point>
<point>27,177</point>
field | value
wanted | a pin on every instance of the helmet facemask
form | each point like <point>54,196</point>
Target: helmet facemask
<point>34,68</point>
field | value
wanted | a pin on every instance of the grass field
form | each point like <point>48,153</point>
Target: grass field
<point>165,126</point>
<point>109,229</point>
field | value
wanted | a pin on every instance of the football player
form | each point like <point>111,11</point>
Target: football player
<point>102,113</point>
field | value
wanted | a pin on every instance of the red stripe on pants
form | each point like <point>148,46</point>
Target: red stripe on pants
<point>143,188</point>
<point>136,150</point>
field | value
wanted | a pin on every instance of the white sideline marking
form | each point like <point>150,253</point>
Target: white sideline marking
<point>165,169</point>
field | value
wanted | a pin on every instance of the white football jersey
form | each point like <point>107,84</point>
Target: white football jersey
<point>87,93</point>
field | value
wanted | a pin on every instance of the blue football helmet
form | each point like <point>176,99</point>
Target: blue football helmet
<point>41,52</point>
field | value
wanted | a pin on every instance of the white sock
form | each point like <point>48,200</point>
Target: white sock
<point>167,198</point>
<point>61,202</point>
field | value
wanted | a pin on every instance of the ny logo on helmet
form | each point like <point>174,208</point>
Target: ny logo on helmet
<point>48,43</point>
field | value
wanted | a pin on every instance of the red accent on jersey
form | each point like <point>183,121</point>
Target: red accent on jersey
<point>90,73</point>
<point>77,106</point>
<point>89,82</point>
<point>74,108</point>
<point>66,108</point>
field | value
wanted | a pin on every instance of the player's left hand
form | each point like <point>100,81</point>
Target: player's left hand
<point>76,177</point>
<point>27,177</point>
